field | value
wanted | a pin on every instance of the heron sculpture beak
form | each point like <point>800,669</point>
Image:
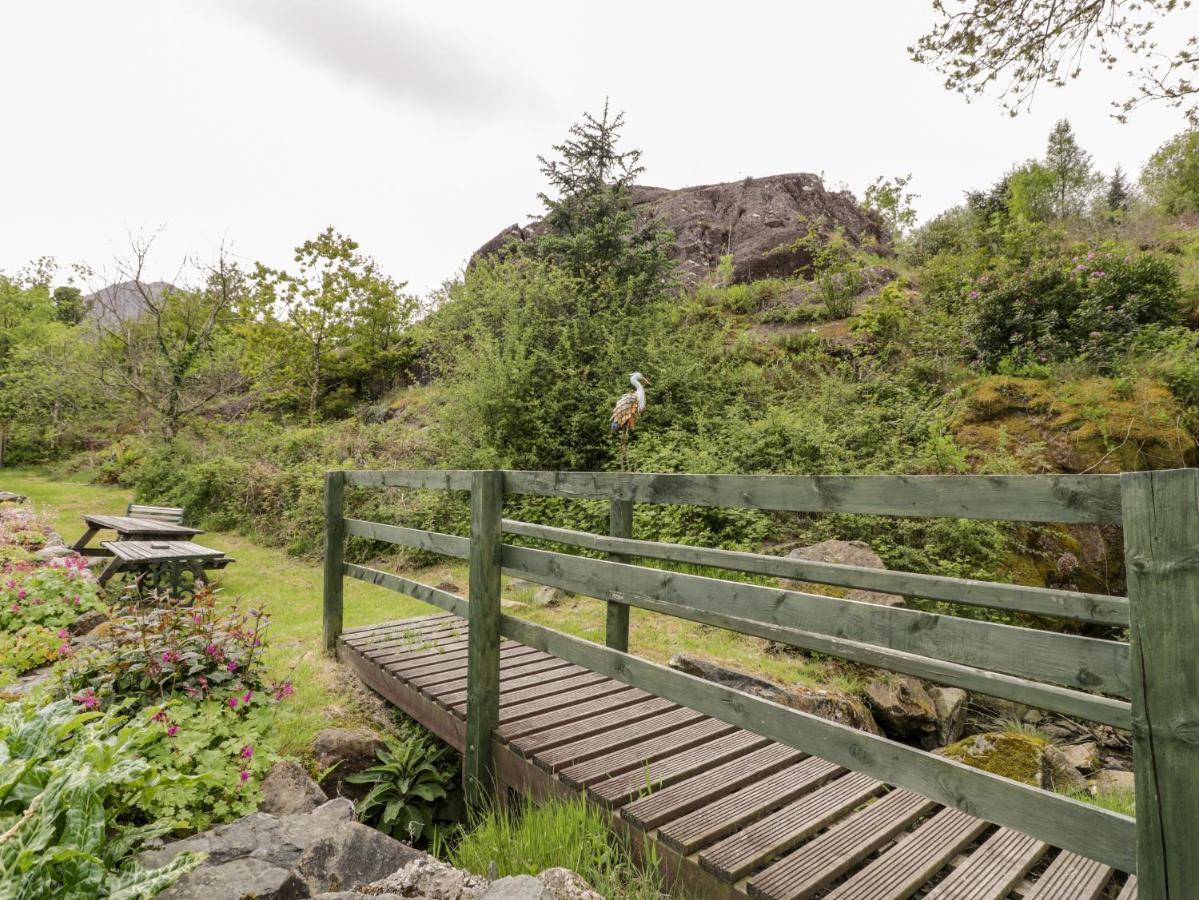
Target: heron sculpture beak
<point>645,381</point>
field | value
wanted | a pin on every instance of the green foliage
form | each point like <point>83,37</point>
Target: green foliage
<point>890,198</point>
<point>341,318</point>
<point>1089,303</point>
<point>62,831</point>
<point>567,833</point>
<point>150,654</point>
<point>52,595</point>
<point>1171,177</point>
<point>410,779</point>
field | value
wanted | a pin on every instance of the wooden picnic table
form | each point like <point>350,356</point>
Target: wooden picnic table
<point>129,528</point>
<point>156,562</point>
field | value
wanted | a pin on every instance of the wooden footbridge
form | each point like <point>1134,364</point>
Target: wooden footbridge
<point>736,795</point>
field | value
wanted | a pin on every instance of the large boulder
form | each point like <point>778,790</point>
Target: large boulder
<point>759,221</point>
<point>951,705</point>
<point>844,553</point>
<point>431,879</point>
<point>341,752</point>
<point>826,703</point>
<point>284,857</point>
<point>288,789</point>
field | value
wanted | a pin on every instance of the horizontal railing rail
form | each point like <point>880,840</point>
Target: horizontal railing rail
<point>1086,677</point>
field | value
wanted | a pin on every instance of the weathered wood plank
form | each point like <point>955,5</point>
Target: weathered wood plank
<point>679,799</point>
<point>1071,877</point>
<point>432,541</point>
<point>993,870</point>
<point>669,770</point>
<point>1161,552</point>
<point>1077,826</point>
<point>1071,660</point>
<point>601,723</point>
<point>915,859</point>
<point>724,816</point>
<point>620,524</point>
<point>1020,498</point>
<point>814,865</point>
<point>740,854</point>
<point>1076,605</point>
<point>537,722</point>
<point>635,757</point>
<point>614,739</point>
<point>334,548</point>
<point>429,479</point>
<point>483,616</point>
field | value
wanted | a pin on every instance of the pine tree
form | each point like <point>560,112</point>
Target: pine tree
<point>593,232</point>
<point>1119,194</point>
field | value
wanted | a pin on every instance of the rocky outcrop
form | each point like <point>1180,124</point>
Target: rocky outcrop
<point>844,553</point>
<point>835,706</point>
<point>284,857</point>
<point>904,710</point>
<point>758,221</point>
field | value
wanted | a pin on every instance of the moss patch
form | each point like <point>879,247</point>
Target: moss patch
<point>1090,424</point>
<point>1020,757</point>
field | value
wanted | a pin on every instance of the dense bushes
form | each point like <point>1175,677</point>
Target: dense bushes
<point>1088,304</point>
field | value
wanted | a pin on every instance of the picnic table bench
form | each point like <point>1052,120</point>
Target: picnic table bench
<point>154,563</point>
<point>129,528</point>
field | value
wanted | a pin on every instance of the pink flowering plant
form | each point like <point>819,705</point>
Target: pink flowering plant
<point>198,651</point>
<point>54,594</point>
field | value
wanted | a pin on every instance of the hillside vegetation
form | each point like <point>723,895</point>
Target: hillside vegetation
<point>1045,325</point>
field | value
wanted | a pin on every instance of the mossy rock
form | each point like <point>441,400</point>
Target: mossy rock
<point>1089,424</point>
<point>1020,757</point>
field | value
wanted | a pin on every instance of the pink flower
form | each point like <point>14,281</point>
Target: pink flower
<point>244,775</point>
<point>16,607</point>
<point>283,690</point>
<point>247,752</point>
<point>232,667</point>
<point>172,730</point>
<point>160,716</point>
<point>232,703</point>
<point>88,699</point>
<point>65,650</point>
<point>21,594</point>
<point>63,633</point>
<point>247,696</point>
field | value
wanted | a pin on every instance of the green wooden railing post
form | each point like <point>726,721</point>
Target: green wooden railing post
<point>483,656</point>
<point>335,537</point>
<point>1161,552</point>
<point>620,524</point>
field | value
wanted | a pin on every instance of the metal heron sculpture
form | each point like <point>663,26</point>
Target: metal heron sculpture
<point>626,411</point>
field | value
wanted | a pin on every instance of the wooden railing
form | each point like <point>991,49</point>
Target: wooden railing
<point>1149,685</point>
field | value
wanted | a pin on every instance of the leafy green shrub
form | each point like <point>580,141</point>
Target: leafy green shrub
<point>1090,304</point>
<point>567,833</point>
<point>31,647</point>
<point>409,780</point>
<point>63,830</point>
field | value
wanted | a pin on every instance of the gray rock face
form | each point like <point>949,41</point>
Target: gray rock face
<point>53,552</point>
<point>288,789</point>
<point>1114,780</point>
<point>284,857</point>
<point>352,854</point>
<point>905,710</point>
<point>710,671</point>
<point>845,553</point>
<point>757,220</point>
<point>950,704</point>
<point>345,751</point>
<point>549,596</point>
<point>431,879</point>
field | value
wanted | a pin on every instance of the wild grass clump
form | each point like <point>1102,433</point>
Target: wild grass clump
<point>571,834</point>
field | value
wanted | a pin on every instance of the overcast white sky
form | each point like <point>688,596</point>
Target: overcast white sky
<point>415,127</point>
